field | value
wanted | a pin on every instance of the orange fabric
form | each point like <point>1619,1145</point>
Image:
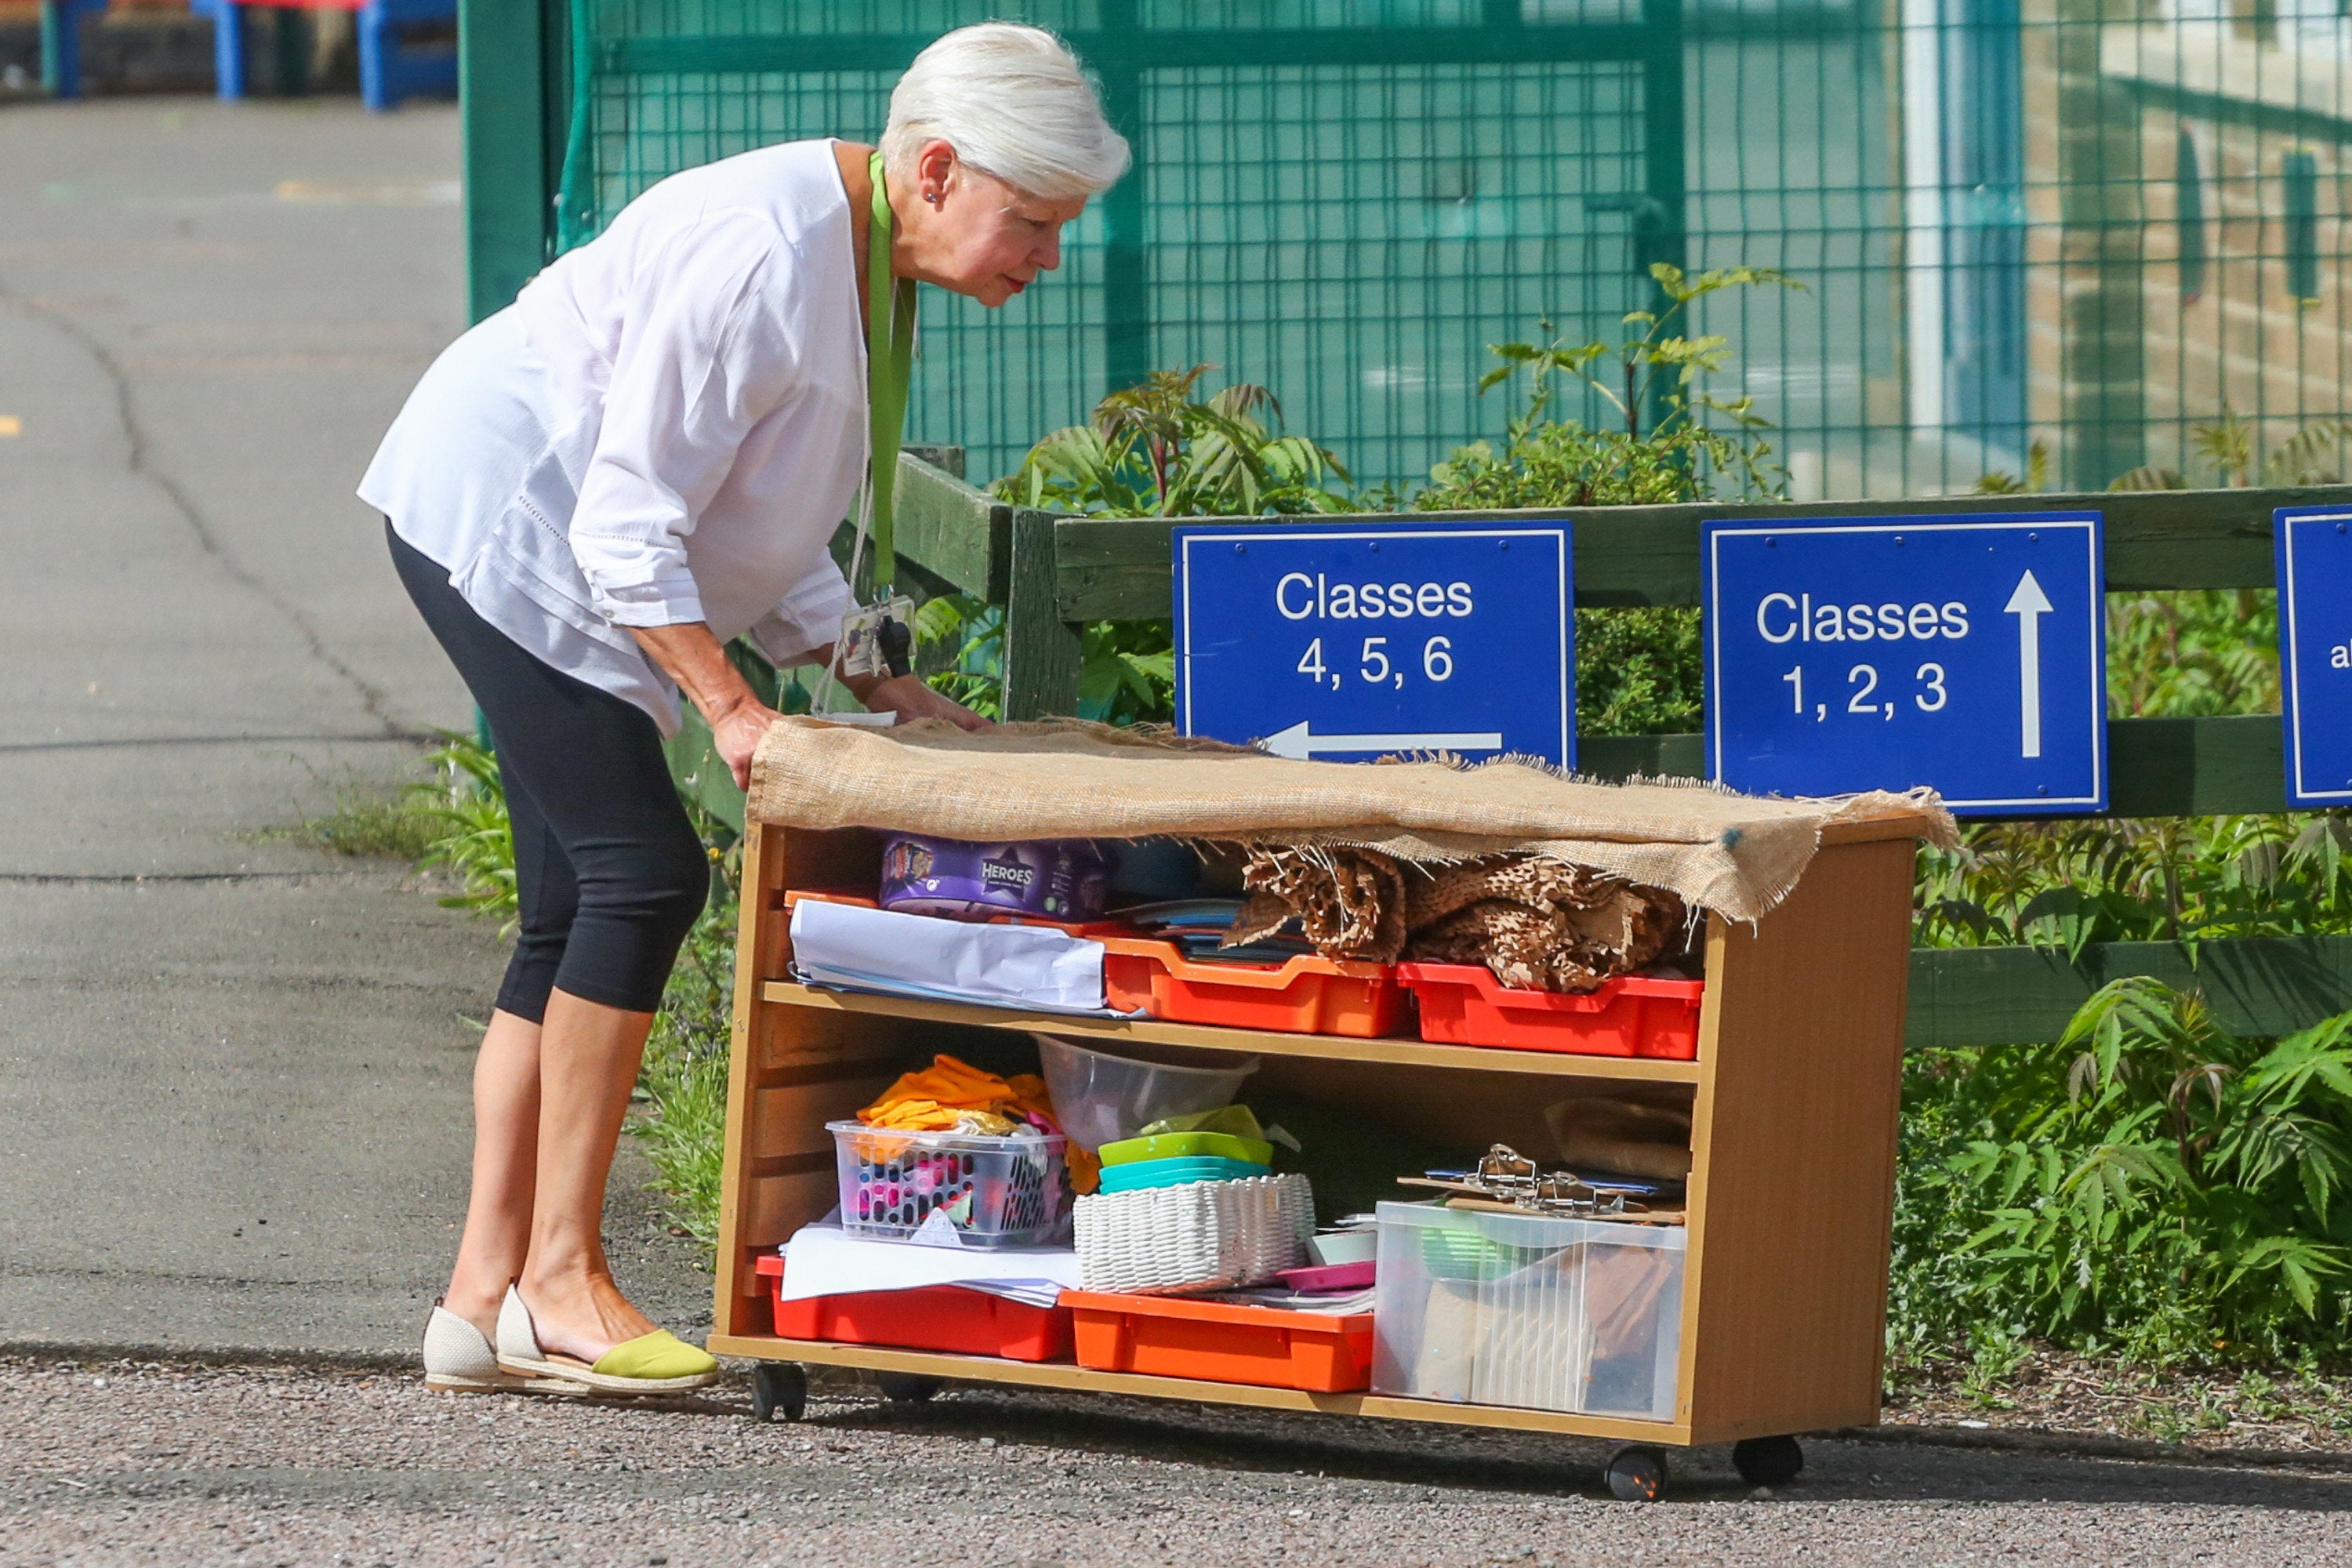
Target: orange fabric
<point>951,1096</point>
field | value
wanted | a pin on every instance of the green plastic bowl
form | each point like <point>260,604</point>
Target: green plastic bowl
<point>1188,1146</point>
<point>1467,1255</point>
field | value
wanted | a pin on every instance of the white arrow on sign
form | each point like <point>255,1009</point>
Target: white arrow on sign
<point>2029,605</point>
<point>1298,743</point>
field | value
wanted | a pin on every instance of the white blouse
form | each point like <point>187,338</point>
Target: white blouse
<point>667,426</point>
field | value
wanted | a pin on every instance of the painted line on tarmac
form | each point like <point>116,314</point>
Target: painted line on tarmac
<point>373,738</point>
<point>131,879</point>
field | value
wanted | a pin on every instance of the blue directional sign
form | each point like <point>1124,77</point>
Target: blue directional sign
<point>1963,652</point>
<point>2314,616</point>
<point>1359,640</point>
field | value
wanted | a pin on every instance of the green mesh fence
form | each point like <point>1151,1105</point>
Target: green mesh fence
<point>2109,230</point>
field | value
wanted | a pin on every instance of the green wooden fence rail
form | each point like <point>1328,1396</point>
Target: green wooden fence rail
<point>1120,570</point>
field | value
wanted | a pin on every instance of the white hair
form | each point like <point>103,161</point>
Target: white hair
<point>1014,103</point>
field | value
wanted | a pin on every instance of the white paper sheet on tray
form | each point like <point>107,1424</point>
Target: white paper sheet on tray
<point>996,965</point>
<point>823,1259</point>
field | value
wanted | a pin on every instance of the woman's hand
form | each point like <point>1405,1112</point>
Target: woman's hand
<point>738,717</point>
<point>735,736</point>
<point>909,699</point>
<point>693,658</point>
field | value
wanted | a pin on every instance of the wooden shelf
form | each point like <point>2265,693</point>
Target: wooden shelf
<point>1063,1374</point>
<point>1209,1037</point>
<point>1793,1099</point>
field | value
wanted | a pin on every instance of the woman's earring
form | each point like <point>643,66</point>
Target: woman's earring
<point>932,197</point>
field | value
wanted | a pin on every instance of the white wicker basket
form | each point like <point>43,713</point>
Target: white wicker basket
<point>1201,1236</point>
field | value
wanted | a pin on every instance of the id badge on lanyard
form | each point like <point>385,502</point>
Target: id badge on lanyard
<point>879,638</point>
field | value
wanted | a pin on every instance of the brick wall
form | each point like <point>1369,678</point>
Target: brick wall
<point>2132,343</point>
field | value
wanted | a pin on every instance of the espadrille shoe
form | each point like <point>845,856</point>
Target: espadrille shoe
<point>657,1363</point>
<point>459,1360</point>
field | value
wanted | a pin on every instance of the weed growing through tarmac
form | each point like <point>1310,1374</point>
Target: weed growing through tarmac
<point>367,820</point>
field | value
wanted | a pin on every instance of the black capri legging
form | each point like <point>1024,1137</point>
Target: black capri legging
<point>610,873</point>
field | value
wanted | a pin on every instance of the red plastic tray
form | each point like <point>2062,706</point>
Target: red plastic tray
<point>1307,995</point>
<point>933,1318</point>
<point>1631,1016</point>
<point>1166,1336</point>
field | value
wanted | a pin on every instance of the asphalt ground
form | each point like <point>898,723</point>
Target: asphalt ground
<point>116,1464</point>
<point>233,1071</point>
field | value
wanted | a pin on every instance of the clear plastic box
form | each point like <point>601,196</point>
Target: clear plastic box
<point>1529,1309</point>
<point>991,1192</point>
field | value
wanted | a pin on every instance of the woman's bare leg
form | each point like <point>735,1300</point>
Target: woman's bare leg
<point>506,1157</point>
<point>588,1058</point>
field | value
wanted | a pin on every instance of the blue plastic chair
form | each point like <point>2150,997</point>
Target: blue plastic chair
<point>389,70</point>
<point>61,44</point>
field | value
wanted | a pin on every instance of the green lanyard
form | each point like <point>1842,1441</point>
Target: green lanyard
<point>889,361</point>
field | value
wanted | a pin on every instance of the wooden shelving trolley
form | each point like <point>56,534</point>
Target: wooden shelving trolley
<point>1793,1099</point>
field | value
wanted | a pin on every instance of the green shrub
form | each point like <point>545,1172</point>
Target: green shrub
<point>1154,449</point>
<point>2190,652</point>
<point>2068,884</point>
<point>474,839</point>
<point>2148,1185</point>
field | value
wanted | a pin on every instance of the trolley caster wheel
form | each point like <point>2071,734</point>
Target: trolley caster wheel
<point>1768,1461</point>
<point>906,1387</point>
<point>1637,1475</point>
<point>779,1388</point>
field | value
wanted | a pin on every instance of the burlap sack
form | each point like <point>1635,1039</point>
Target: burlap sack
<point>1733,854</point>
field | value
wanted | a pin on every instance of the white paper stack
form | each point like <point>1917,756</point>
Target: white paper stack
<point>1336,1303</point>
<point>860,949</point>
<point>823,1259</point>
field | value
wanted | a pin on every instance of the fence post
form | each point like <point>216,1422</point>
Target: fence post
<point>1041,651</point>
<point>514,93</point>
<point>1659,217</point>
<point>1127,269</point>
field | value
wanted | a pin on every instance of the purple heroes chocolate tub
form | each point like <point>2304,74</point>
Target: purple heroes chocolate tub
<point>1053,878</point>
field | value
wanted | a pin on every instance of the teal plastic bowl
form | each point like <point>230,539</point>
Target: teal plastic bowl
<point>1139,1175</point>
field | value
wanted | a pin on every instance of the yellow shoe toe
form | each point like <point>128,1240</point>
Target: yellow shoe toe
<point>658,1356</point>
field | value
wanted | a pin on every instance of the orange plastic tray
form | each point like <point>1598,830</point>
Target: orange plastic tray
<point>1167,1336</point>
<point>932,1317</point>
<point>1307,995</point>
<point>1631,1016</point>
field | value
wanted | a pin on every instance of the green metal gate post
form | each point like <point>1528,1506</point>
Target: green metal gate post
<point>1659,221</point>
<point>514,93</point>
<point>1127,276</point>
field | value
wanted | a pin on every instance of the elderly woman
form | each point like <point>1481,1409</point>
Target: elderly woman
<point>587,496</point>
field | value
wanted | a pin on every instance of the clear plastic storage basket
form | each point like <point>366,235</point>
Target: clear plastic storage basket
<point>1529,1309</point>
<point>991,1192</point>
